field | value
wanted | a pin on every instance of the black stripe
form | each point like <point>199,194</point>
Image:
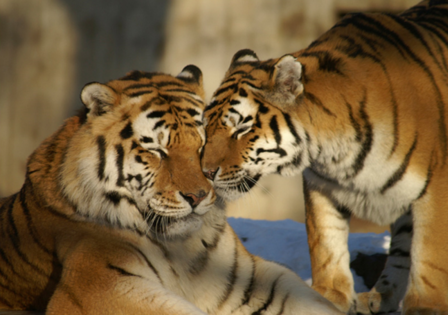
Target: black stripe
<point>121,271</point>
<point>327,62</point>
<point>399,252</point>
<point>101,142</point>
<point>251,284</point>
<point>406,228</point>
<point>114,197</point>
<point>400,267</point>
<point>237,133</point>
<point>427,182</point>
<point>291,127</point>
<point>396,41</point>
<point>270,298</point>
<point>248,118</point>
<point>148,104</point>
<point>376,28</point>
<point>169,83</point>
<point>401,170</point>
<point>140,93</point>
<point>200,261</point>
<point>233,87</point>
<point>212,105</point>
<point>192,112</point>
<point>273,124</point>
<point>139,86</point>
<point>179,90</point>
<point>127,131</point>
<point>148,262</point>
<point>190,100</point>
<point>435,31</point>
<point>353,49</point>
<point>368,139</point>
<point>159,124</point>
<point>156,114</point>
<point>261,107</point>
<point>316,101</point>
<point>354,123</point>
<point>29,221</point>
<point>414,31</point>
<point>231,276</point>
<point>242,92</point>
<point>374,57</point>
<point>119,164</point>
<point>283,304</point>
<point>240,117</point>
<point>15,240</point>
<point>143,139</point>
<point>250,84</point>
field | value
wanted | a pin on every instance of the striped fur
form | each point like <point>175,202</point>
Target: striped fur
<point>116,217</point>
<point>362,113</point>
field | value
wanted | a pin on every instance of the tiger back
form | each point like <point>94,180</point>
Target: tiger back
<point>116,217</point>
<point>362,113</point>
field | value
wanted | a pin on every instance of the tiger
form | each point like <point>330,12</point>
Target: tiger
<point>362,114</point>
<point>116,217</point>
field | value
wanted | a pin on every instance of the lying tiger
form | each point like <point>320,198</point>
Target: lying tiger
<point>116,216</point>
<point>363,111</point>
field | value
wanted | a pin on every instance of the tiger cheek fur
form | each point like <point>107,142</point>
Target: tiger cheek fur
<point>362,112</point>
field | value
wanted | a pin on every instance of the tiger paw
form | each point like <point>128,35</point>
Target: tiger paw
<point>343,301</point>
<point>374,302</point>
<point>368,303</point>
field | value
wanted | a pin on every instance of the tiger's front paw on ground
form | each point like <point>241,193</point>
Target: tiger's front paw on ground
<point>374,302</point>
<point>344,302</point>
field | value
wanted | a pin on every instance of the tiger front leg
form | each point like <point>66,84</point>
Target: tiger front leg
<point>328,230</point>
<point>391,285</point>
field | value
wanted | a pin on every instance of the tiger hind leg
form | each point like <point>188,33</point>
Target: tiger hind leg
<point>390,287</point>
<point>428,279</point>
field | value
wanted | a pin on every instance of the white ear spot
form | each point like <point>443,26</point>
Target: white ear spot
<point>98,98</point>
<point>245,55</point>
<point>190,73</point>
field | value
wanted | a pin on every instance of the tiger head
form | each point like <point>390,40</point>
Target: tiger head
<point>135,161</point>
<point>248,133</point>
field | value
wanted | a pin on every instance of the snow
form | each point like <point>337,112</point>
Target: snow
<point>285,242</point>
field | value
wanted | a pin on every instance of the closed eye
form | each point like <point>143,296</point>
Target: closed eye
<point>240,132</point>
<point>162,154</point>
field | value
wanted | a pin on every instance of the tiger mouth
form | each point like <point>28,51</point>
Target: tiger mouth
<point>160,224</point>
<point>243,185</point>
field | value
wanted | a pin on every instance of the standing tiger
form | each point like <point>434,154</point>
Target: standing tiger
<point>363,112</point>
<point>116,216</point>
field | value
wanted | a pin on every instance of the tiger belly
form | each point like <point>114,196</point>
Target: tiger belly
<point>377,205</point>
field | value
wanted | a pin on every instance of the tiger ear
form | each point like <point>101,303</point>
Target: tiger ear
<point>98,98</point>
<point>193,75</point>
<point>287,81</point>
<point>244,56</point>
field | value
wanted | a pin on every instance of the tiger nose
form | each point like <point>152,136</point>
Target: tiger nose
<point>210,174</point>
<point>193,199</point>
